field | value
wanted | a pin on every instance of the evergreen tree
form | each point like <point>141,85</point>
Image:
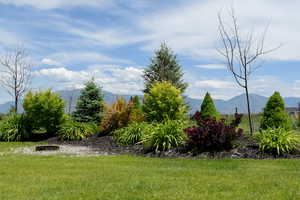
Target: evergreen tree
<point>275,115</point>
<point>90,105</point>
<point>208,108</point>
<point>164,67</point>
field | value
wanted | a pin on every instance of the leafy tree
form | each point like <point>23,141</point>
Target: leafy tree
<point>208,108</point>
<point>164,67</point>
<point>90,104</point>
<point>44,110</point>
<point>275,115</point>
<point>164,101</point>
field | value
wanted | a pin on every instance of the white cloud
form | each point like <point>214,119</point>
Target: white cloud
<point>48,61</point>
<point>115,79</point>
<point>191,28</point>
<point>69,58</point>
<point>211,66</point>
<point>53,4</point>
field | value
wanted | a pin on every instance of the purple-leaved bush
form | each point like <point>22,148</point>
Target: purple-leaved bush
<point>211,134</point>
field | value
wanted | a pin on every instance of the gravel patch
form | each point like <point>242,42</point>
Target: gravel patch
<point>64,149</point>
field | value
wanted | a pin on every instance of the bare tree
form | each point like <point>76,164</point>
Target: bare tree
<point>241,53</point>
<point>15,73</point>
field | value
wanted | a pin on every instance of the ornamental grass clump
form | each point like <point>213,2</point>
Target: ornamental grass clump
<point>73,130</point>
<point>133,133</point>
<point>278,141</point>
<point>165,136</point>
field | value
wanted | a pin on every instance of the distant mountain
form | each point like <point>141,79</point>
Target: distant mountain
<point>224,106</point>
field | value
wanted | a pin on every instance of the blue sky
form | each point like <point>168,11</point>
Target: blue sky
<point>70,41</point>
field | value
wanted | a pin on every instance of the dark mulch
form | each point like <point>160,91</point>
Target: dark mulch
<point>244,147</point>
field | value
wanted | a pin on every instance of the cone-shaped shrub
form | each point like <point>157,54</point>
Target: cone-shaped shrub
<point>275,115</point>
<point>208,109</point>
<point>90,104</point>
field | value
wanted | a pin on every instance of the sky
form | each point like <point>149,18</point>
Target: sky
<point>70,41</point>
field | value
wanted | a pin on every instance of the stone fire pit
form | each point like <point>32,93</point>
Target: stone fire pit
<point>47,148</point>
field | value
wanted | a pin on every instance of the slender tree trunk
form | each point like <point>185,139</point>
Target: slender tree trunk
<point>16,103</point>
<point>248,107</point>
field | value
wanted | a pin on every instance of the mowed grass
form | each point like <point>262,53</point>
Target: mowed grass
<point>137,178</point>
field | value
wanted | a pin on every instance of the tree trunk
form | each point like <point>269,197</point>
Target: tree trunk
<point>16,103</point>
<point>248,108</point>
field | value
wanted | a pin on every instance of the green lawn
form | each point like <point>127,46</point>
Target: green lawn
<point>132,178</point>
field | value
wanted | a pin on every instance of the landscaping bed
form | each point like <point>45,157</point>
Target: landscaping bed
<point>244,147</point>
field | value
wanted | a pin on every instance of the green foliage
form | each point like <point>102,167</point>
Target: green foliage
<point>13,128</point>
<point>278,141</point>
<point>163,102</point>
<point>165,135</point>
<point>208,108</point>
<point>120,114</point>
<point>133,133</point>
<point>164,67</point>
<point>73,130</point>
<point>275,115</point>
<point>90,105</point>
<point>44,110</point>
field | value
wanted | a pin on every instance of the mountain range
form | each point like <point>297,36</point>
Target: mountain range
<point>223,106</point>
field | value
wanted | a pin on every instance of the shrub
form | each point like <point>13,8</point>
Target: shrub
<point>165,135</point>
<point>13,128</point>
<point>208,108</point>
<point>164,102</point>
<point>278,141</point>
<point>90,105</point>
<point>119,115</point>
<point>275,115</point>
<point>211,134</point>
<point>132,134</point>
<point>72,130</point>
<point>44,111</point>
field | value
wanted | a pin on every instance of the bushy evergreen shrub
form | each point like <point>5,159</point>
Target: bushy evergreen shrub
<point>278,140</point>
<point>211,134</point>
<point>164,102</point>
<point>208,109</point>
<point>90,105</point>
<point>13,128</point>
<point>44,111</point>
<point>275,115</point>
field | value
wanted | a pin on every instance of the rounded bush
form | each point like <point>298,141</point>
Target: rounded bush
<point>164,102</point>
<point>44,111</point>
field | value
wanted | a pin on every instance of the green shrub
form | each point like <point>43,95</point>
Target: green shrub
<point>133,133</point>
<point>72,130</point>
<point>164,102</point>
<point>165,135</point>
<point>44,111</point>
<point>13,128</point>
<point>278,141</point>
<point>275,115</point>
<point>90,105</point>
<point>208,109</point>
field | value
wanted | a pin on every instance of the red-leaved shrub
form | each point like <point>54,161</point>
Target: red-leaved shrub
<point>211,134</point>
